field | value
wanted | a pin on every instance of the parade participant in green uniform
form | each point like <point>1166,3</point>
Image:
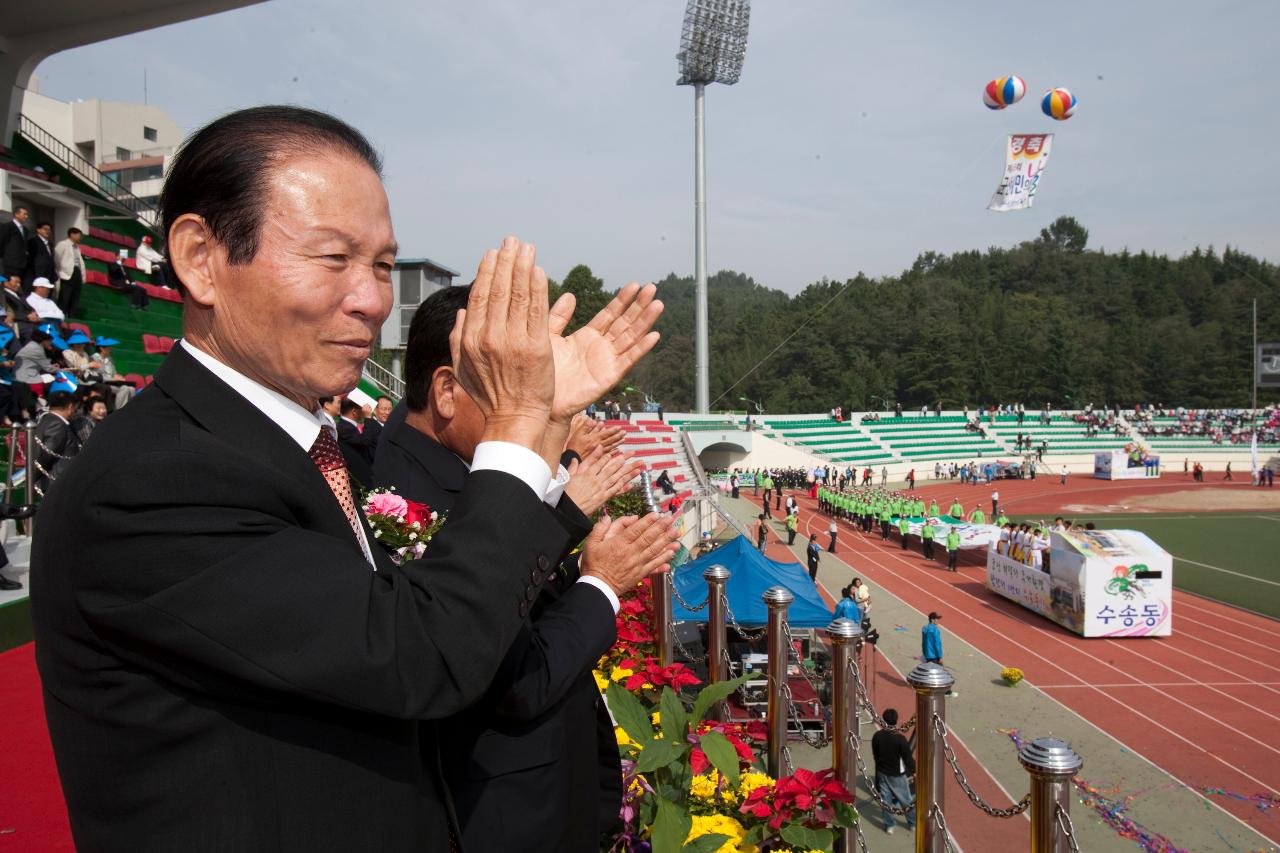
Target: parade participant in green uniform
<point>793,522</point>
<point>953,548</point>
<point>904,528</point>
<point>956,510</point>
<point>934,512</point>
<point>977,516</point>
<point>1002,520</point>
<point>926,539</point>
<point>886,517</point>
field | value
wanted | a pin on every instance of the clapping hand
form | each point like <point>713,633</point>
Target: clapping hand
<point>599,477</point>
<point>501,345</point>
<point>596,357</point>
<point>625,551</point>
<point>586,434</point>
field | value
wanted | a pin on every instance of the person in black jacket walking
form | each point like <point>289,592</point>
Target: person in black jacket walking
<point>894,765</point>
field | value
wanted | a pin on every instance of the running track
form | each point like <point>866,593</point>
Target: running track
<point>1202,704</point>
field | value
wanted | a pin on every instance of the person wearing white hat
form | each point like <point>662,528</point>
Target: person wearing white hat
<point>41,302</point>
<point>151,262</point>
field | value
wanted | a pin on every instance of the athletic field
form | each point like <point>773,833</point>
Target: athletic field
<point>1227,556</point>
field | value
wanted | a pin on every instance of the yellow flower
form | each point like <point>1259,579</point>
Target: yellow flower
<point>656,718</point>
<point>601,681</point>
<point>751,780</point>
<point>706,787</point>
<point>719,824</point>
<point>620,673</point>
<point>623,738</point>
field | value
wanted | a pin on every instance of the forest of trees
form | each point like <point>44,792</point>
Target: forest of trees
<point>1048,320</point>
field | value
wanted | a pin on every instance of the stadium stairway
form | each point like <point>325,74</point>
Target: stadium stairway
<point>658,445</point>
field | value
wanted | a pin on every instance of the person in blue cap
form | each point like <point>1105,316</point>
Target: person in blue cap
<point>85,368</point>
<point>31,362</point>
<point>117,390</point>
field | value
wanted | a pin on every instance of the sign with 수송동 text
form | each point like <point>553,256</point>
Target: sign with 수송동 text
<point>1025,156</point>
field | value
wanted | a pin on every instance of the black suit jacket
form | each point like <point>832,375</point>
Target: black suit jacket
<point>357,450</point>
<point>40,260</point>
<point>13,250</point>
<point>528,765</point>
<point>222,668</point>
<point>372,432</point>
<point>58,446</point>
<point>118,276</point>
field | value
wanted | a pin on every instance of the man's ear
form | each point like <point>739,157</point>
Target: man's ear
<point>444,385</point>
<point>194,254</point>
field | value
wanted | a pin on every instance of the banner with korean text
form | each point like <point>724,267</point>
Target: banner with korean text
<point>1025,156</point>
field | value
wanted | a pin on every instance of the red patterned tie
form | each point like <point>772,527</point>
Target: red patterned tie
<point>328,458</point>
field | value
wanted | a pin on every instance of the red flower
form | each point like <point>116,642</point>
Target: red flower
<point>420,513</point>
<point>757,803</point>
<point>634,632</point>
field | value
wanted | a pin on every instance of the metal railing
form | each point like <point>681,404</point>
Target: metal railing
<point>384,380</point>
<point>70,159</point>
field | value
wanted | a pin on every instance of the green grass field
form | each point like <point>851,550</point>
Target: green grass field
<point>1227,556</point>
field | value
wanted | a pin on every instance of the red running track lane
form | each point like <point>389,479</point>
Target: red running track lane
<point>1201,704</point>
<point>973,830</point>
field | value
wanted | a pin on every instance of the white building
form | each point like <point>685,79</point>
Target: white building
<point>412,281</point>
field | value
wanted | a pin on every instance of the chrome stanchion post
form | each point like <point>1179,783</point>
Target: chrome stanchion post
<point>931,682</point>
<point>8,474</point>
<point>717,662</point>
<point>778,599</point>
<point>29,431</point>
<point>1051,763</point>
<point>661,587</point>
<point>845,635</point>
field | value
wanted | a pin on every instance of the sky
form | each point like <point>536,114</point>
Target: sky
<point>855,141</point>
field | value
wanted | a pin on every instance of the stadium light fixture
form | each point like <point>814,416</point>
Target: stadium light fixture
<point>713,45</point>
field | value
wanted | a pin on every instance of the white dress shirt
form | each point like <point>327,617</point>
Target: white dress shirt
<point>45,307</point>
<point>145,257</point>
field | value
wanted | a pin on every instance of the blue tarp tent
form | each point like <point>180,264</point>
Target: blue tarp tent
<point>751,573</point>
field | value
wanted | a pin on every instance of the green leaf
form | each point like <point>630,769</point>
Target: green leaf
<point>670,828</point>
<point>672,716</point>
<point>754,834</point>
<point>629,713</point>
<point>721,754</point>
<point>705,843</point>
<point>846,814</point>
<point>804,838</point>
<point>713,693</point>
<point>659,753</point>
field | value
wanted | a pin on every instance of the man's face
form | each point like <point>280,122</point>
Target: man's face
<point>98,412</point>
<point>301,316</point>
<point>75,237</point>
<point>382,410</point>
<point>45,231</point>
<point>333,408</point>
<point>22,215</point>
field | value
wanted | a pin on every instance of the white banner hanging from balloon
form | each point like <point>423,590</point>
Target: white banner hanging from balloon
<point>1025,156</point>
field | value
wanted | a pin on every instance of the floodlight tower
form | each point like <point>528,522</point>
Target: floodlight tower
<point>713,44</point>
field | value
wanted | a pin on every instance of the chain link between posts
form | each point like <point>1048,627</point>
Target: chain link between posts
<point>1065,826</point>
<point>901,728</point>
<point>940,729</point>
<point>935,814</point>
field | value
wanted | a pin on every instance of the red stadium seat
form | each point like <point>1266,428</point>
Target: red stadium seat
<point>135,379</point>
<point>166,344</point>
<point>79,327</point>
<point>151,344</point>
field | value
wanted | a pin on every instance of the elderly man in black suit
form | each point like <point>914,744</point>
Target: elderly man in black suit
<point>526,767</point>
<point>356,447</point>
<point>40,255</point>
<point>118,277</point>
<point>235,664</point>
<point>13,243</point>
<point>57,443</point>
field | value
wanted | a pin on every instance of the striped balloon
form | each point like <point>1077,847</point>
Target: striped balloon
<point>1003,92</point>
<point>1058,104</point>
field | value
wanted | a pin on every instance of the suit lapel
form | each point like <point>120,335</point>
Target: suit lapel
<point>216,407</point>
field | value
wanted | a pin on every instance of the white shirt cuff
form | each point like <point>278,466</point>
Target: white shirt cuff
<point>516,460</point>
<point>603,587</point>
<point>555,489</point>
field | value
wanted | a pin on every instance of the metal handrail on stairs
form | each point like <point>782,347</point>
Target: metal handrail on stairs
<point>70,159</point>
<point>384,380</point>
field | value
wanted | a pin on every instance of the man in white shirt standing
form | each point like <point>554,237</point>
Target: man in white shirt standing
<point>69,264</point>
<point>40,301</point>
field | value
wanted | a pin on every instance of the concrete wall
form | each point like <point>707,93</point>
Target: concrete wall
<point>109,125</point>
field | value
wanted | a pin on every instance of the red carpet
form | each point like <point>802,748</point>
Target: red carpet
<point>33,818</point>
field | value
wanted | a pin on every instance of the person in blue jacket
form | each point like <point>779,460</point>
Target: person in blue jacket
<point>847,608</point>
<point>931,642</point>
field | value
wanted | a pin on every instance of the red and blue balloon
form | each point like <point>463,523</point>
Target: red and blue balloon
<point>1003,92</point>
<point>1058,104</point>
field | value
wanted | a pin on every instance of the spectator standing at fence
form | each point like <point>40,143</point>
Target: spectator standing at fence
<point>847,607</point>
<point>862,594</point>
<point>813,554</point>
<point>931,644</point>
<point>895,764</point>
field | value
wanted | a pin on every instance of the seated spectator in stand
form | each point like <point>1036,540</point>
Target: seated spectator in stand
<point>15,304</point>
<point>56,442</point>
<point>86,369</point>
<point>69,264</point>
<point>31,362</point>
<point>118,276</point>
<point>8,406</point>
<point>664,482</point>
<point>42,303</point>
<point>93,411</point>
<point>353,443</point>
<point>151,262</point>
<point>116,390</point>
